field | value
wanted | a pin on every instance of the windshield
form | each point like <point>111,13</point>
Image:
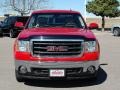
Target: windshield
<point>56,20</point>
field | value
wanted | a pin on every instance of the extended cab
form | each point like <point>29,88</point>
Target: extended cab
<point>12,25</point>
<point>56,44</point>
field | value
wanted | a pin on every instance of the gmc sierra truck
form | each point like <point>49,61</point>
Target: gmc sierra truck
<point>56,44</point>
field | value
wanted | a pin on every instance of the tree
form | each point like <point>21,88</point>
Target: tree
<point>25,6</point>
<point>104,8</point>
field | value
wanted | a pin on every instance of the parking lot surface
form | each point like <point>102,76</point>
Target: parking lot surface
<point>108,78</point>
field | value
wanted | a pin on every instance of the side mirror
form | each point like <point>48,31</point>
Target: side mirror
<point>19,25</point>
<point>93,26</point>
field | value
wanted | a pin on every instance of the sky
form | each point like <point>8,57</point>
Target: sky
<point>78,5</point>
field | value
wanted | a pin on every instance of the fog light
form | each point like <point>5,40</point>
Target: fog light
<point>91,70</point>
<point>23,70</point>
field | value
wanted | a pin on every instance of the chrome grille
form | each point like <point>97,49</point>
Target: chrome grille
<point>56,48</point>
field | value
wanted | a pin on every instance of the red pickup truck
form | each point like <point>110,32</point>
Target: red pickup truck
<point>56,44</point>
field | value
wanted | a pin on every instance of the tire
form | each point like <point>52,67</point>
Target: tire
<point>94,78</point>
<point>116,32</point>
<point>11,33</point>
<point>1,34</point>
<point>18,78</point>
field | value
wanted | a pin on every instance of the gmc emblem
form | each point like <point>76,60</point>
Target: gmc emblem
<point>57,48</point>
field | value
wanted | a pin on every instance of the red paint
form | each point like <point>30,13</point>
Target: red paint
<point>26,56</point>
<point>18,24</point>
<point>85,57</point>
<point>56,31</point>
<point>93,25</point>
<point>56,11</point>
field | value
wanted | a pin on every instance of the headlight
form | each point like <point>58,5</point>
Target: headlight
<point>22,46</point>
<point>90,46</point>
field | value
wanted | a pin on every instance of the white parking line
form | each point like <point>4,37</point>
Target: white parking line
<point>102,33</point>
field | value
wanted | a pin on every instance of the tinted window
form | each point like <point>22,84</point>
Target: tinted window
<point>5,21</point>
<point>56,20</point>
<point>11,20</point>
<point>22,19</point>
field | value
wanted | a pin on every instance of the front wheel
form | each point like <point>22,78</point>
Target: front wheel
<point>116,32</point>
<point>11,33</point>
<point>1,34</point>
<point>18,78</point>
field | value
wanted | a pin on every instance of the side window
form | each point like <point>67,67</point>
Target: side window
<point>32,22</point>
<point>9,20</point>
<point>12,20</point>
<point>5,21</point>
<point>82,23</point>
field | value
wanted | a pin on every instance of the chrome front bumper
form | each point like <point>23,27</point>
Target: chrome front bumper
<point>56,65</point>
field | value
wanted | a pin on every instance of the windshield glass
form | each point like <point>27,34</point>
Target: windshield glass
<point>56,20</point>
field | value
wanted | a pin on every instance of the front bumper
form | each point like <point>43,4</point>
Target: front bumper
<point>40,70</point>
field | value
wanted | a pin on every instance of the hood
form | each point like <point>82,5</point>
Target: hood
<point>56,31</point>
